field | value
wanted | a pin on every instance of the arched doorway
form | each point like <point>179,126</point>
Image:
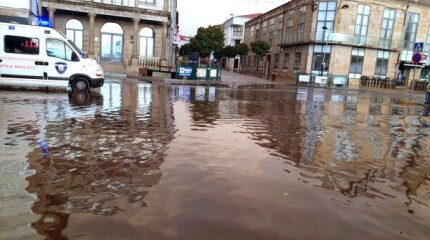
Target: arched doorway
<point>74,31</point>
<point>111,42</point>
<point>146,42</point>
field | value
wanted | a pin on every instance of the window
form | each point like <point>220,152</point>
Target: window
<point>326,15</point>
<point>129,3</point>
<point>275,68</point>
<point>237,31</point>
<point>280,25</point>
<point>361,24</point>
<point>286,60</point>
<point>382,63</point>
<point>263,30</point>
<point>289,32</point>
<point>252,32</point>
<point>260,62</point>
<point>356,66</point>
<point>257,32</point>
<point>427,46</point>
<point>255,61</point>
<point>271,28</point>
<point>411,29</point>
<point>387,28</point>
<point>321,54</point>
<point>297,59</point>
<point>74,31</point>
<point>21,45</point>
<point>301,26</point>
<point>146,42</point>
<point>59,49</point>
<point>146,1</point>
<point>425,73</point>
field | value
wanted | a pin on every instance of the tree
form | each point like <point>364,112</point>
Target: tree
<point>242,50</point>
<point>184,50</point>
<point>218,54</point>
<point>229,52</point>
<point>260,48</point>
<point>207,40</point>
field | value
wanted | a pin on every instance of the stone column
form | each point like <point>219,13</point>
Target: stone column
<point>166,5</point>
<point>135,53</point>
<point>91,34</point>
<point>51,15</point>
<point>163,42</point>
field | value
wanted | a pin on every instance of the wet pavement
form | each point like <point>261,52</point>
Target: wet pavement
<point>157,161</point>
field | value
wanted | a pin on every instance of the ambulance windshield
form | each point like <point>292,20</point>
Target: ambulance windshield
<point>83,55</point>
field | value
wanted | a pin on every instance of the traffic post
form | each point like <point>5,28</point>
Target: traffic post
<point>417,57</point>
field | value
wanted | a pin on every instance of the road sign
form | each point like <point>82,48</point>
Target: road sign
<point>417,58</point>
<point>418,47</point>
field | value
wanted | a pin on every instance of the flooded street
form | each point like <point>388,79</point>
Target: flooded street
<point>142,161</point>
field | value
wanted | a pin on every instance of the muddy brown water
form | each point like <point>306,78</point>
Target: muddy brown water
<point>140,161</point>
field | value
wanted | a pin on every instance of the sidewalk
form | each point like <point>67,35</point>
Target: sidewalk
<point>231,79</point>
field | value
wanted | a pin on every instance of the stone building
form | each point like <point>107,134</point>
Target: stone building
<point>118,33</point>
<point>234,29</point>
<point>23,11</point>
<point>351,38</point>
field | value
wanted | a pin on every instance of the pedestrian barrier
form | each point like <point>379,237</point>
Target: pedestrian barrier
<point>428,97</point>
<point>193,72</point>
<point>322,80</point>
<point>419,85</point>
<point>377,82</point>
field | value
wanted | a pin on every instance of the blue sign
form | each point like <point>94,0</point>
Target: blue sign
<point>418,47</point>
<point>417,57</point>
<point>185,71</point>
<point>61,67</point>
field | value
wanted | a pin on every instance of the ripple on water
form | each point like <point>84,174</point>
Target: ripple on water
<point>156,161</point>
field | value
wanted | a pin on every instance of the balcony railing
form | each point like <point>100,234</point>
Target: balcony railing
<point>149,62</point>
<point>324,37</point>
<point>124,3</point>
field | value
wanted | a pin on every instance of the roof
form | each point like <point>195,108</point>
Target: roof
<point>254,15</point>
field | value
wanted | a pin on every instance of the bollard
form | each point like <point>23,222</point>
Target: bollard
<point>428,97</point>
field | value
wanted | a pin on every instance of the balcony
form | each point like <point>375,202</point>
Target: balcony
<point>116,3</point>
<point>150,12</point>
<point>323,37</point>
<point>124,3</point>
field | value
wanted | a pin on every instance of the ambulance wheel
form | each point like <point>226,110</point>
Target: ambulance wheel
<point>80,85</point>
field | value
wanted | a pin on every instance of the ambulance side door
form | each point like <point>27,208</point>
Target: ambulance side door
<point>22,63</point>
<point>62,62</point>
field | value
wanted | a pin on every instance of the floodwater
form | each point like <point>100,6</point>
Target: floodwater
<point>141,161</point>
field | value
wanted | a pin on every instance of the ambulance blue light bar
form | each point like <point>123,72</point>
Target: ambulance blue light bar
<point>44,23</point>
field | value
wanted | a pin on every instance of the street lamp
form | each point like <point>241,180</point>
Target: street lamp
<point>345,6</point>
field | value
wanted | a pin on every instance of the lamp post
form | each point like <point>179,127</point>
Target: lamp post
<point>345,6</point>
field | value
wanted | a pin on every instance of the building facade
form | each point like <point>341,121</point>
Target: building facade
<point>234,30</point>
<point>351,38</point>
<point>116,32</point>
<point>23,11</point>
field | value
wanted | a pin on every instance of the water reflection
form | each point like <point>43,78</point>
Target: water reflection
<point>96,158</point>
<point>137,160</point>
<point>85,98</point>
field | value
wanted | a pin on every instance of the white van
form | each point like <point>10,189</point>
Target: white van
<point>34,56</point>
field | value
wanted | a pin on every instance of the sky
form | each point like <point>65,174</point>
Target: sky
<point>202,13</point>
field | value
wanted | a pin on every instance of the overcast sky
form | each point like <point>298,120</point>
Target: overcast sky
<point>202,13</point>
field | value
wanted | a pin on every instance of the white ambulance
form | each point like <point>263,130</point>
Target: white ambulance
<point>34,56</point>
